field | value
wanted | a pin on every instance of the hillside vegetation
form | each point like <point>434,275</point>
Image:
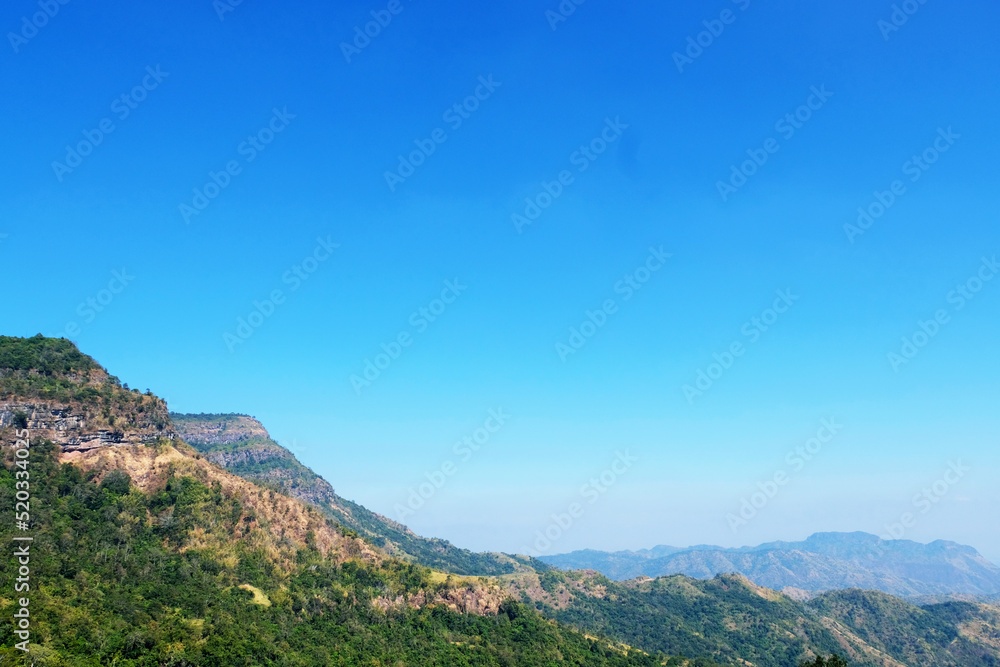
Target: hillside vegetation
<point>150,555</point>
<point>47,384</point>
<point>152,552</point>
<point>195,569</point>
<point>730,619</point>
<point>243,446</point>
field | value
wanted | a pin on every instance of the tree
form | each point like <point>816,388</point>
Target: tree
<point>117,482</point>
<point>834,661</point>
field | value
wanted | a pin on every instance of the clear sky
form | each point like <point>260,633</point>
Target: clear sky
<point>665,171</point>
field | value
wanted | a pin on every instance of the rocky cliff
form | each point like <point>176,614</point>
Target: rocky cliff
<point>58,393</point>
<point>243,446</point>
<point>220,430</point>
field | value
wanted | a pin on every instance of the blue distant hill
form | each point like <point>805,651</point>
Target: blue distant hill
<point>825,561</point>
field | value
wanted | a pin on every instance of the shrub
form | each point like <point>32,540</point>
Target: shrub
<point>117,482</point>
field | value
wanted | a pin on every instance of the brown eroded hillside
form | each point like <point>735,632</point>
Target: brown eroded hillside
<point>272,521</point>
<point>242,445</point>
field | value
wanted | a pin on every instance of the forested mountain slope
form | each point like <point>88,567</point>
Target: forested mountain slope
<point>243,446</point>
<point>149,555</point>
<point>151,552</point>
<point>729,619</point>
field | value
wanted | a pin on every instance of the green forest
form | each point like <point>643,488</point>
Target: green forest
<point>111,587</point>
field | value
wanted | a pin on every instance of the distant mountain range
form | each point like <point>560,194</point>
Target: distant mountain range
<point>824,562</point>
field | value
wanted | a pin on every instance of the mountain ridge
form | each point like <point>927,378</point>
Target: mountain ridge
<point>157,553</point>
<point>821,562</point>
<point>242,445</point>
<point>146,554</point>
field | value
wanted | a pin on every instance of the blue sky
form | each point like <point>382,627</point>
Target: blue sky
<point>622,145</point>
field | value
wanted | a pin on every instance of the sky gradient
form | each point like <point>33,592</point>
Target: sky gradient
<point>489,188</point>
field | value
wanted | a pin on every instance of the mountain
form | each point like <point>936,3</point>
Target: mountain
<point>952,633</point>
<point>731,620</point>
<point>242,445</point>
<point>145,556</point>
<point>726,620</point>
<point>149,551</point>
<point>50,387</point>
<point>825,561</point>
<point>143,553</point>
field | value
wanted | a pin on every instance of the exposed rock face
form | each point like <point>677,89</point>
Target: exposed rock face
<point>221,429</point>
<point>235,441</point>
<point>48,386</point>
<point>243,446</point>
<point>245,457</point>
<point>482,599</point>
<point>40,418</point>
<point>77,430</point>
